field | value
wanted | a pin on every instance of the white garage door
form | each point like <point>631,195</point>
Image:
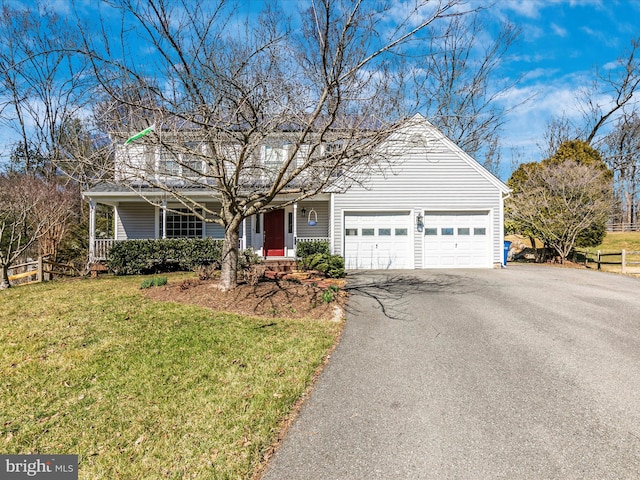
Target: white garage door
<point>459,240</point>
<point>377,241</point>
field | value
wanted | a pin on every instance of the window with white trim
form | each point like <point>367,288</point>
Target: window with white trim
<point>183,223</point>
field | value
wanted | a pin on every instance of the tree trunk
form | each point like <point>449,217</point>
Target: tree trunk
<point>4,277</point>
<point>229,266</point>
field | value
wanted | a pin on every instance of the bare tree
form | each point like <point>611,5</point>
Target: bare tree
<point>31,211</point>
<point>460,84</point>
<point>621,149</point>
<point>558,202</point>
<point>620,84</point>
<point>558,131</point>
<point>43,84</point>
<point>257,111</point>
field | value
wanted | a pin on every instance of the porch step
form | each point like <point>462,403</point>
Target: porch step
<point>278,267</point>
<point>96,268</point>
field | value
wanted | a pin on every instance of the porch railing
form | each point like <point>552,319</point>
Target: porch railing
<point>100,248</point>
<point>312,239</point>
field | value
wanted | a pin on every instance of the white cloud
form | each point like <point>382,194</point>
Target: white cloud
<point>558,30</point>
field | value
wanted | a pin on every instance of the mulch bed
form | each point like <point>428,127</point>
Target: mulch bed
<point>271,298</point>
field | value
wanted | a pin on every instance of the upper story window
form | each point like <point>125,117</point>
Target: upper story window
<point>182,164</point>
<point>275,156</point>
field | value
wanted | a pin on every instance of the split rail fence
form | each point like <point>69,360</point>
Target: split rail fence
<point>40,270</point>
<point>629,261</point>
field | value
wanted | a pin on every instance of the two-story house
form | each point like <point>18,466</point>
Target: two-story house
<point>436,208</point>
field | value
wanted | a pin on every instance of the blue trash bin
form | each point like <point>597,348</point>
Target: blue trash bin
<point>507,246</point>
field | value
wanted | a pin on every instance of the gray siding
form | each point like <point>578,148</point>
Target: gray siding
<point>321,229</point>
<point>136,220</point>
<point>211,229</point>
<point>434,176</point>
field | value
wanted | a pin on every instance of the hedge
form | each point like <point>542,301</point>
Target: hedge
<point>137,257</point>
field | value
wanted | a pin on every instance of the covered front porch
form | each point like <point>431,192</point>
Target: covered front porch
<point>274,234</point>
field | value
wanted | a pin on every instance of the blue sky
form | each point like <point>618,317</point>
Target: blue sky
<point>562,44</point>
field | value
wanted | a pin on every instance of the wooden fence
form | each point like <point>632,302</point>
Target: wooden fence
<point>623,227</point>
<point>627,259</point>
<point>39,270</point>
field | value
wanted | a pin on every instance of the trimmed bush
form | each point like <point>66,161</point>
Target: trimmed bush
<point>331,265</point>
<point>306,249</point>
<point>138,257</point>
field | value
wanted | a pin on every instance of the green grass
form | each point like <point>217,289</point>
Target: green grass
<point>143,389</point>
<point>614,242</point>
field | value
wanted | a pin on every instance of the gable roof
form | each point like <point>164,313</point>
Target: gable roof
<point>421,122</point>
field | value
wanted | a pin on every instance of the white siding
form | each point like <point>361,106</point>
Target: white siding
<point>433,175</point>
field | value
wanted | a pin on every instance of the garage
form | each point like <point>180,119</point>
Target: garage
<point>378,240</point>
<point>457,240</point>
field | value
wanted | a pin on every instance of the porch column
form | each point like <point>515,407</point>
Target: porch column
<point>295,225</point>
<point>164,219</point>
<point>243,241</point>
<point>92,230</point>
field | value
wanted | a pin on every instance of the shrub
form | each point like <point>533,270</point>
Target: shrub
<point>206,272</point>
<point>306,249</point>
<point>136,257</point>
<point>248,258</point>
<point>331,265</point>
<point>253,274</point>
<point>153,282</point>
<point>335,268</point>
<point>328,295</point>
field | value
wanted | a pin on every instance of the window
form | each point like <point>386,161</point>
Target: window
<point>401,232</point>
<point>192,166</point>
<point>464,231</point>
<point>258,223</point>
<point>351,232</point>
<point>290,222</point>
<point>384,232</point>
<point>479,231</point>
<point>182,223</point>
<point>169,165</point>
<point>368,232</point>
<point>431,231</point>
<point>274,156</point>
<point>446,231</point>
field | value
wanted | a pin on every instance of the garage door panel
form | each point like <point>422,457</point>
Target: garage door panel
<point>377,241</point>
<point>456,240</point>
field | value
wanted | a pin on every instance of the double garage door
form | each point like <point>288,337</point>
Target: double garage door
<point>385,241</point>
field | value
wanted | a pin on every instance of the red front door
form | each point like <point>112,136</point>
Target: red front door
<point>274,234</point>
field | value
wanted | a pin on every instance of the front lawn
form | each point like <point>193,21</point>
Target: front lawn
<point>146,389</point>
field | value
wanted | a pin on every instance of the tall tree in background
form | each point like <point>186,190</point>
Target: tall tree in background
<point>43,85</point>
<point>621,149</point>
<point>610,113</point>
<point>461,84</point>
<point>234,94</point>
<point>565,201</point>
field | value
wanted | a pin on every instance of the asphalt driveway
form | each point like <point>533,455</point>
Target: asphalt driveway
<point>523,373</point>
